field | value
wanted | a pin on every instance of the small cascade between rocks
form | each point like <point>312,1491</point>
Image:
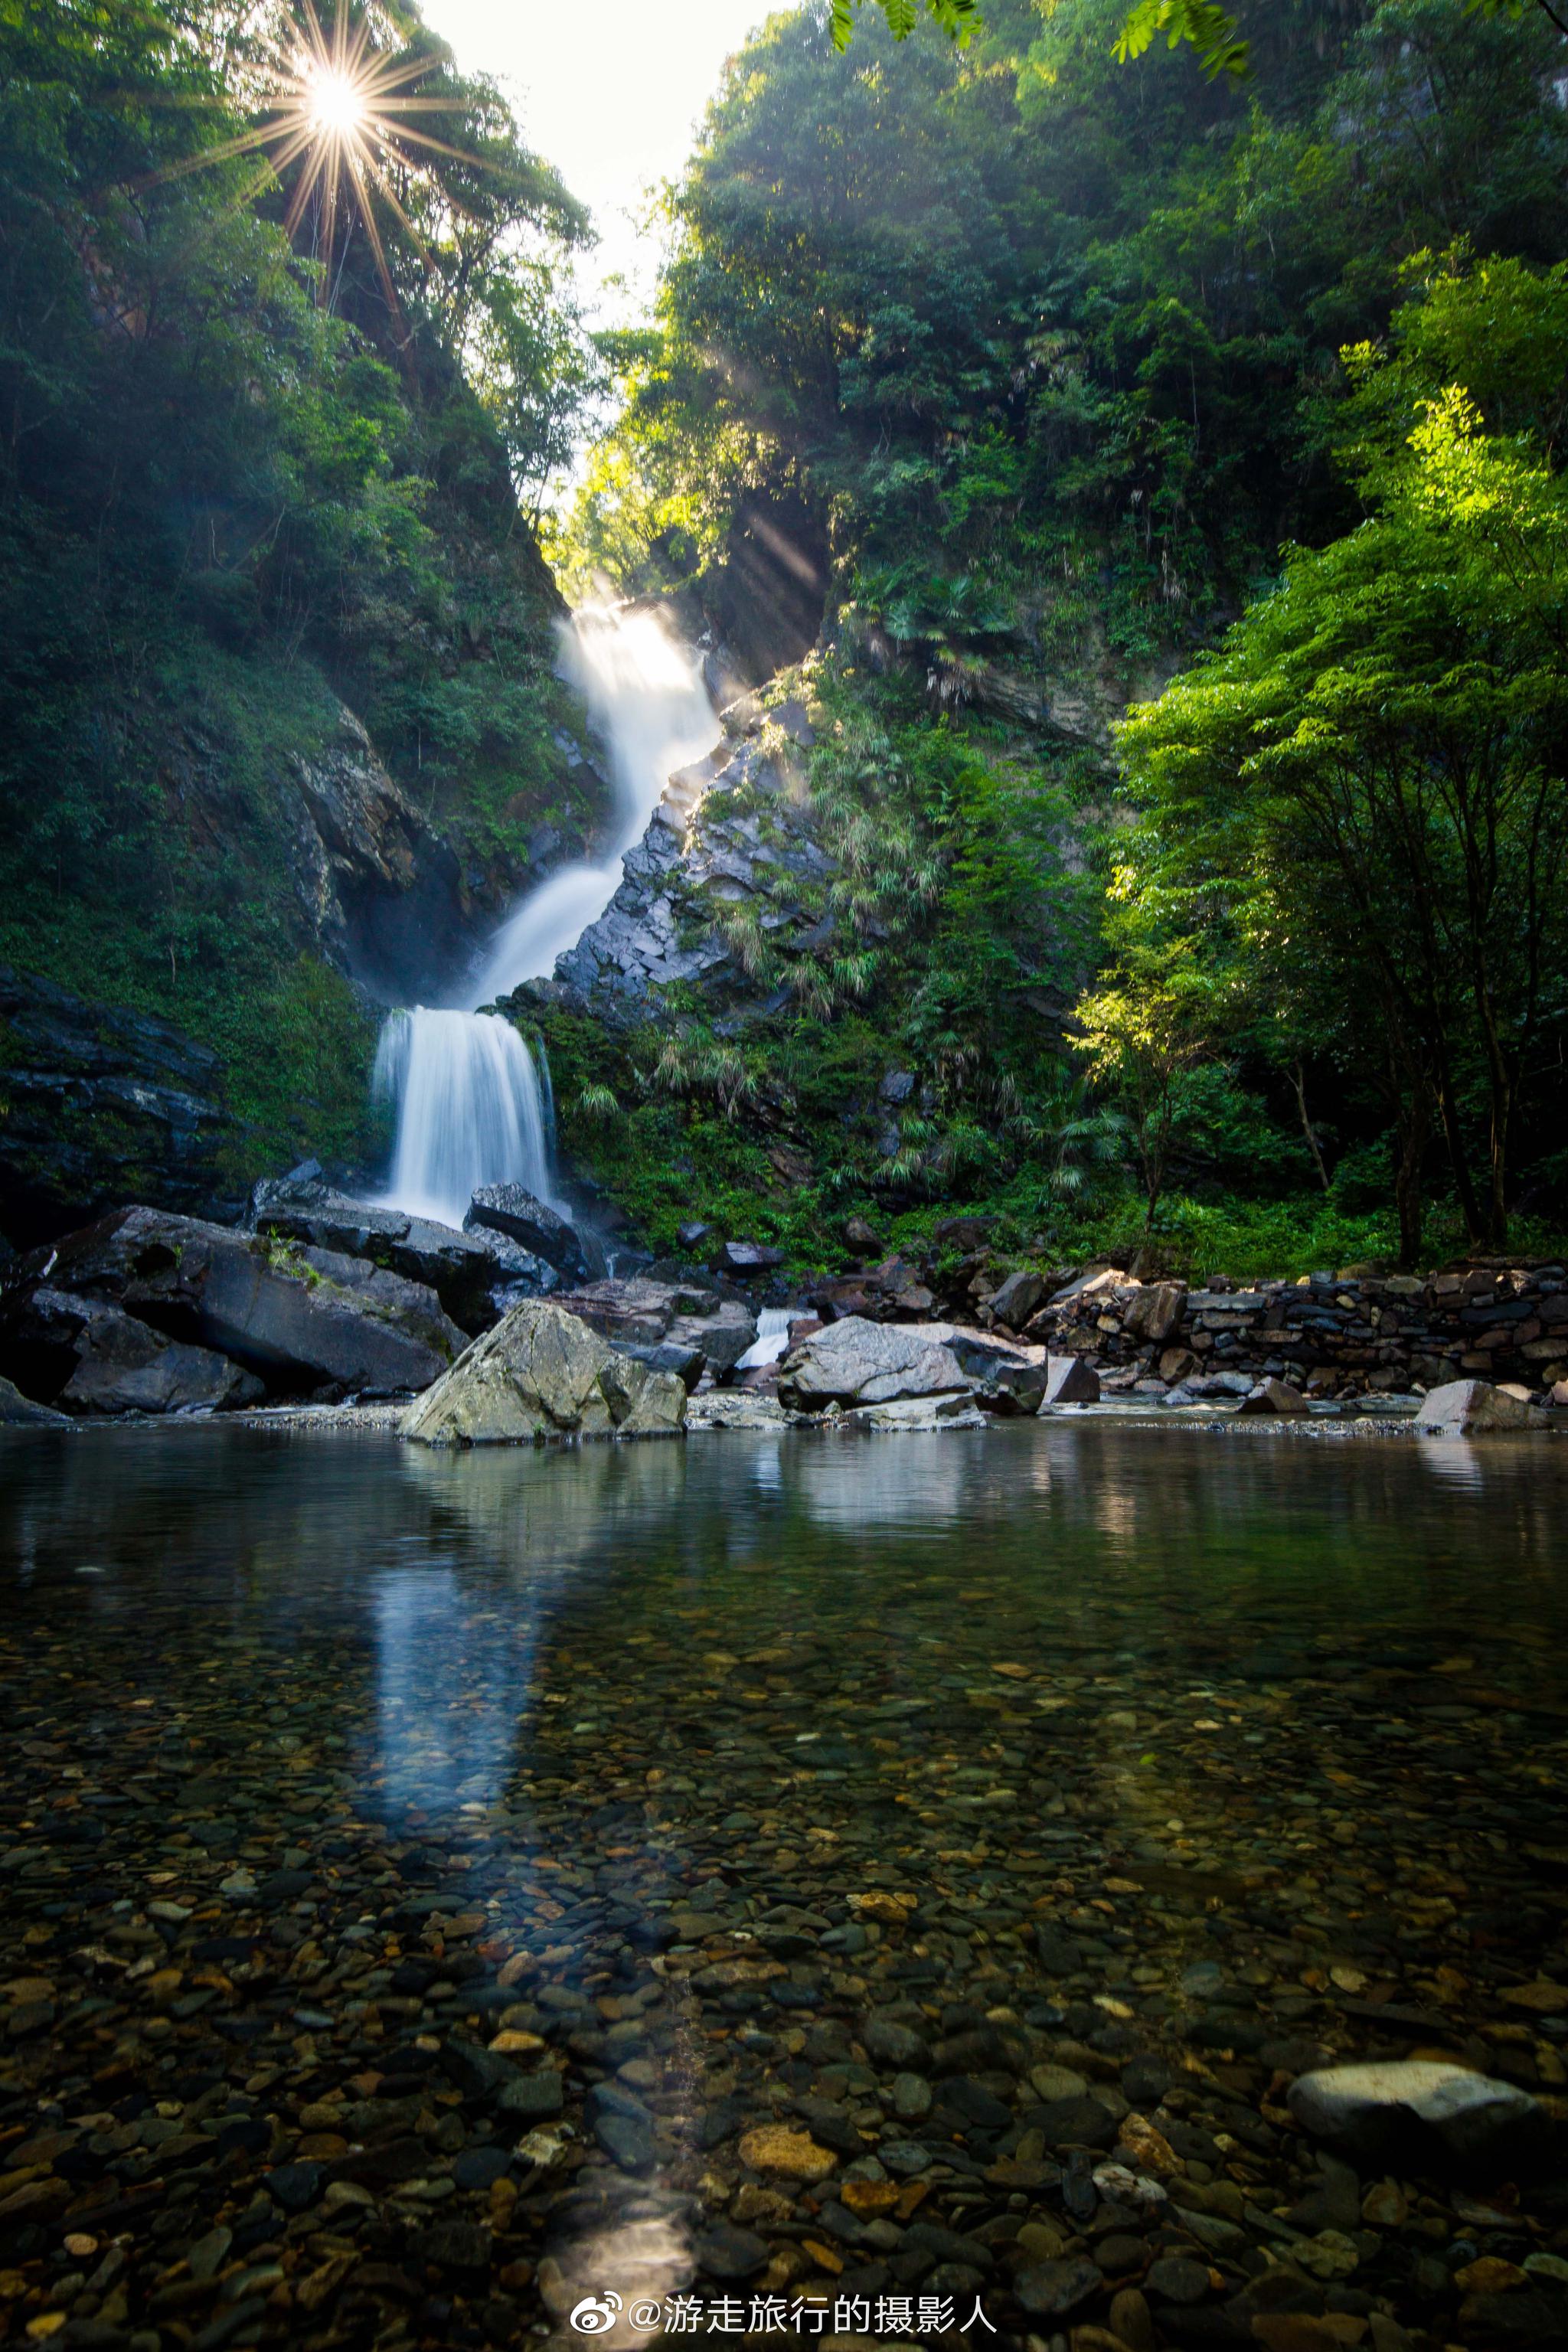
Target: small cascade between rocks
<point>771,1342</point>
<point>472,1102</point>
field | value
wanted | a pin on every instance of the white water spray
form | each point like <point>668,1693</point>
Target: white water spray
<point>645,696</point>
<point>472,1108</point>
<point>772,1338</point>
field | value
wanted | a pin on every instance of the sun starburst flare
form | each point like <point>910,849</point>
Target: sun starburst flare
<point>339,108</point>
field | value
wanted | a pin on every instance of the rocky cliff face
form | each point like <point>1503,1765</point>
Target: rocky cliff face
<point>731,850</point>
<point>381,890</point>
<point>99,1105</point>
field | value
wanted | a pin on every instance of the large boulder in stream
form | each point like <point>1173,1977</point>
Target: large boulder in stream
<point>858,1363</point>
<point>542,1374</point>
<point>477,1276</point>
<point>146,1312</point>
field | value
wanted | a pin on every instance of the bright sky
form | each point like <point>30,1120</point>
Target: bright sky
<point>607,90</point>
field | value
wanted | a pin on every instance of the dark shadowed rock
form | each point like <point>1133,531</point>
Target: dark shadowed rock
<point>17,1411</point>
<point>523,1217</point>
<point>99,1105</point>
<point>298,1317</point>
<point>87,1356</point>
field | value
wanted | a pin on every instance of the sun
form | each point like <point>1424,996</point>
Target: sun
<point>338,110</point>
<point>336,102</point>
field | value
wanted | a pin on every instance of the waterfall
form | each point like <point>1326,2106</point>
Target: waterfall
<point>772,1338</point>
<point>472,1107</point>
<point>470,1110</point>
<point>646,698</point>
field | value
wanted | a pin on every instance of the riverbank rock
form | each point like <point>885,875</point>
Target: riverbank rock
<point>1425,2114</point>
<point>1274,1397</point>
<point>146,1312</point>
<point>1468,1408</point>
<point>543,1373</point>
<point>638,1313</point>
<point>856,1362</point>
<point>17,1411</point>
<point>87,1356</point>
<point>477,1276</point>
<point>1070,1381</point>
<point>511,1210</point>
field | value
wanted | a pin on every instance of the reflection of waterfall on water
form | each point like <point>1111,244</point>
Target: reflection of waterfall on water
<point>470,1110</point>
<point>472,1107</point>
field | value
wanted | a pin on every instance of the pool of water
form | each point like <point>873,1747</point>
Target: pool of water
<point>767,1880</point>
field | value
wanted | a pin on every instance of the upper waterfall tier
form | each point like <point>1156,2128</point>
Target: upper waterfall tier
<point>645,696</point>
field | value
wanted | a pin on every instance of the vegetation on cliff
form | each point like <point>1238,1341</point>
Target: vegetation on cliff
<point>1239,406</point>
<point>244,478</point>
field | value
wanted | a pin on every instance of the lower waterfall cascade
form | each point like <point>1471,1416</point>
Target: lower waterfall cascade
<point>472,1101</point>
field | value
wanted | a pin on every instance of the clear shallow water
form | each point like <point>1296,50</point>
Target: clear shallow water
<point>687,1762</point>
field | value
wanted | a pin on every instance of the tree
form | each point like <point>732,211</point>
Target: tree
<point>1373,769</point>
<point>1146,1028</point>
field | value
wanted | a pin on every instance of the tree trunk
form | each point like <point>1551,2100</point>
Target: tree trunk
<point>1413,1128</point>
<point>1299,1083</point>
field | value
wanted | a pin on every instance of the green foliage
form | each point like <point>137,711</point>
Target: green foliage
<point>226,499</point>
<point>1062,351</point>
<point>1363,793</point>
<point>954,17</point>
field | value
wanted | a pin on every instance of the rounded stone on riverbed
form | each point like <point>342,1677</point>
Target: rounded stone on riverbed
<point>1051,2290</point>
<point>1424,2114</point>
<point>772,2147</point>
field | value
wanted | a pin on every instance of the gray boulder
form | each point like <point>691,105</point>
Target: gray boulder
<point>857,1362</point>
<point>1070,1380</point>
<point>312,1311</point>
<point>639,1313</point>
<point>1011,1376</point>
<point>1155,1312</point>
<point>543,1373</point>
<point>1277,1397</point>
<point>1468,1408</point>
<point>1425,2114</point>
<point>475,1275</point>
<point>1016,1298</point>
<point>87,1356</point>
<point>301,1319</point>
<point>523,1218</point>
<point>748,1259</point>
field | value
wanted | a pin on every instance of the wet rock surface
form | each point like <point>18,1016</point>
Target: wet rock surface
<point>476,1273</point>
<point>872,1881</point>
<point>146,1312</point>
